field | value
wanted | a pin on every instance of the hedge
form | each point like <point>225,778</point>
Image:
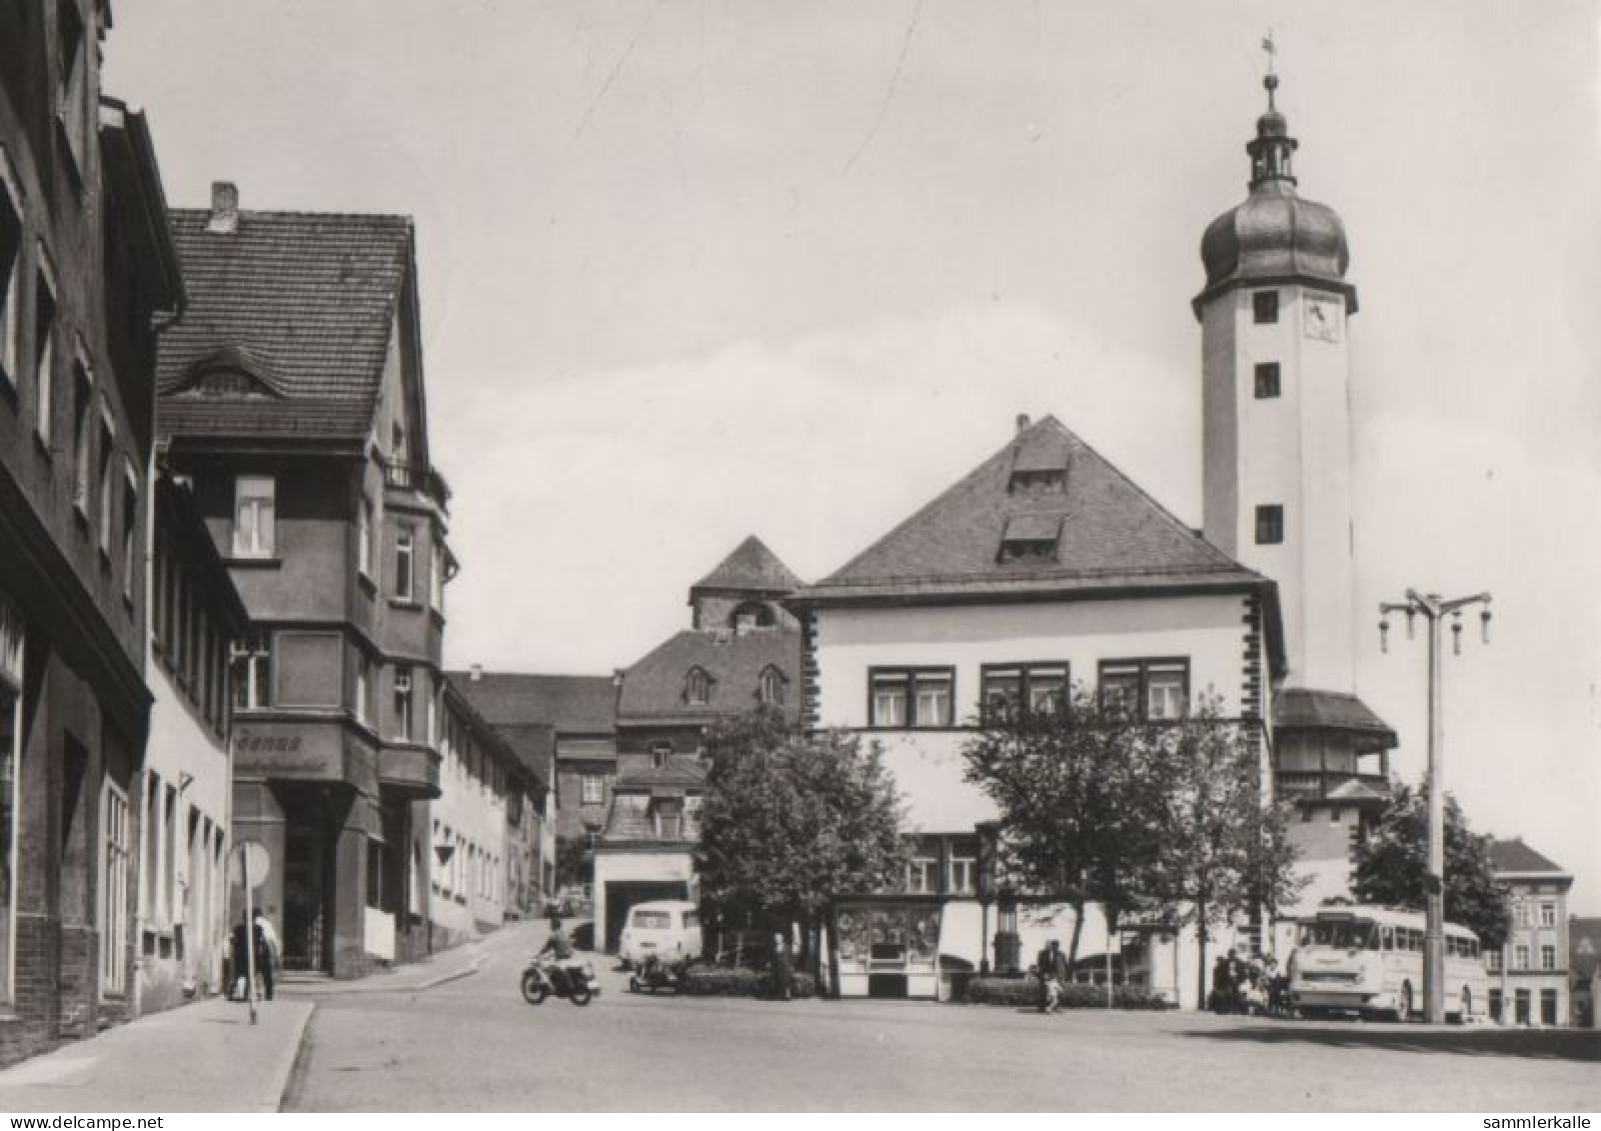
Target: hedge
<point>715,981</point>
<point>1026,992</point>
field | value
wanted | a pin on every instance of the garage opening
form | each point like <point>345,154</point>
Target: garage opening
<point>621,896</point>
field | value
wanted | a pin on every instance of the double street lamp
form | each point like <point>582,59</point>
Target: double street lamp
<point>1434,609</point>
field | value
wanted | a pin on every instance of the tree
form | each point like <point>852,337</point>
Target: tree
<point>1392,866</point>
<point>1163,816</point>
<point>790,822</point>
<point>1073,787</point>
<point>1225,844</point>
<point>575,863</point>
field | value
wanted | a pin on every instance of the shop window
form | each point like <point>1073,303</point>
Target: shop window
<point>1548,1007</point>
<point>1495,1006</point>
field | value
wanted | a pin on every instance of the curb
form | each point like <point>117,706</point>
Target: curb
<point>289,1061</point>
<point>358,988</point>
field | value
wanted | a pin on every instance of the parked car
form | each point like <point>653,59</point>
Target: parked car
<point>668,929</point>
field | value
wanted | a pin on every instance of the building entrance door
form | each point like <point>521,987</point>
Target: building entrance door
<point>305,896</point>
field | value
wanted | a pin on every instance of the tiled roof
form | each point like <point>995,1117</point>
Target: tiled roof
<point>571,704</point>
<point>525,748</point>
<point>1113,535</point>
<point>1306,709</point>
<point>1356,792</point>
<point>654,687</point>
<point>1584,945</point>
<point>310,297</point>
<point>630,820</point>
<point>679,773</point>
<point>1514,856</point>
<point>534,746</point>
<point>752,567</point>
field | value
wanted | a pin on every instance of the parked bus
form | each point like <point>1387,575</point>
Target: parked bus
<point>1369,960</point>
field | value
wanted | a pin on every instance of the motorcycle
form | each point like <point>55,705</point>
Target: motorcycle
<point>573,980</point>
<point>656,974</point>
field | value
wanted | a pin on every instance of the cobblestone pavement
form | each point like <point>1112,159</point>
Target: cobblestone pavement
<point>473,1044</point>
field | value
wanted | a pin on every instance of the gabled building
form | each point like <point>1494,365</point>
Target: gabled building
<point>743,651</point>
<point>1529,974</point>
<point>87,280</point>
<point>564,728</point>
<point>293,399</point>
<point>1043,567</point>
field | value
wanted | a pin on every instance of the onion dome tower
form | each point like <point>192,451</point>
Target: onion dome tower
<point>1277,452</point>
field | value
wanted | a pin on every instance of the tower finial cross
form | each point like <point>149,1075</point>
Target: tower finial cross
<point>1271,48</point>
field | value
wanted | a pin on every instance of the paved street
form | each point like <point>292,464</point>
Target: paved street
<point>474,1044</point>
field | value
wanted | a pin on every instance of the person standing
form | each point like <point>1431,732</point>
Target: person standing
<point>266,940</point>
<point>1051,965</point>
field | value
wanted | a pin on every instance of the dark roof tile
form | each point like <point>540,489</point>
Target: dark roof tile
<point>570,704</point>
<point>309,296</point>
<point>1113,535</point>
<point>752,567</point>
<point>653,688</point>
<point>1515,856</point>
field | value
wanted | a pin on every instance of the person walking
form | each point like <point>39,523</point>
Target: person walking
<point>267,944</point>
<point>1051,964</point>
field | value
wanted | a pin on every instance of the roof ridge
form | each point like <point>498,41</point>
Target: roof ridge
<point>299,213</point>
<point>977,473</point>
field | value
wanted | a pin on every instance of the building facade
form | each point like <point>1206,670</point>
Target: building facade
<point>86,277</point>
<point>1042,569</point>
<point>293,398</point>
<point>743,651</point>
<point>486,829</point>
<point>180,802</point>
<point>1529,982</point>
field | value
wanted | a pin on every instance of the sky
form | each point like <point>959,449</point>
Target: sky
<point>693,269</point>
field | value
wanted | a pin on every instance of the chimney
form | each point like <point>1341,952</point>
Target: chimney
<point>475,674</point>
<point>1022,421</point>
<point>224,208</point>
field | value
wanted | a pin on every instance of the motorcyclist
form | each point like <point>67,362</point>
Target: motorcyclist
<point>560,950</point>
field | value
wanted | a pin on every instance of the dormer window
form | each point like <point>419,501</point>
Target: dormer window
<point>697,687</point>
<point>771,686</point>
<point>1039,465</point>
<point>660,752</point>
<point>1030,538</point>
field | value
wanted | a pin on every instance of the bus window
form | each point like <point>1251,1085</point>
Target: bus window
<point>1386,938</point>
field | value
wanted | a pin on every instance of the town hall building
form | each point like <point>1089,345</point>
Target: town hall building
<point>1046,567</point>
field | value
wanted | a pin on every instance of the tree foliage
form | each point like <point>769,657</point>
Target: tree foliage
<point>791,821</point>
<point>1164,818</point>
<point>1392,866</point>
<point>575,862</point>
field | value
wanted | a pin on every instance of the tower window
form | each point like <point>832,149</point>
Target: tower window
<point>1267,380</point>
<point>1265,306</point>
<point>1269,525</point>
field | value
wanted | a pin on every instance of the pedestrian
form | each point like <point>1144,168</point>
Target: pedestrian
<point>1220,984</point>
<point>782,984</point>
<point>267,953</point>
<point>1235,982</point>
<point>1051,965</point>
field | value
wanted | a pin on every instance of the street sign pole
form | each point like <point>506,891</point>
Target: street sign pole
<point>250,937</point>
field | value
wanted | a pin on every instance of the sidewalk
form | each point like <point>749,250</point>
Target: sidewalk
<point>200,1057</point>
<point>434,970</point>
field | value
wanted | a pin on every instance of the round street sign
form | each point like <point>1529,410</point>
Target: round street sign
<point>254,853</point>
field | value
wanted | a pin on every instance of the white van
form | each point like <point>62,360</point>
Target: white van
<point>668,929</point>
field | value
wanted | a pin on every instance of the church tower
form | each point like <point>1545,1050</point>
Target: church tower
<point>1275,320</point>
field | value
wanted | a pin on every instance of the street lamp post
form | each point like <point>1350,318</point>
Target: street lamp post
<point>1434,609</point>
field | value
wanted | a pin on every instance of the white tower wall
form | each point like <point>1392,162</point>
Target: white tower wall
<point>1292,450</point>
